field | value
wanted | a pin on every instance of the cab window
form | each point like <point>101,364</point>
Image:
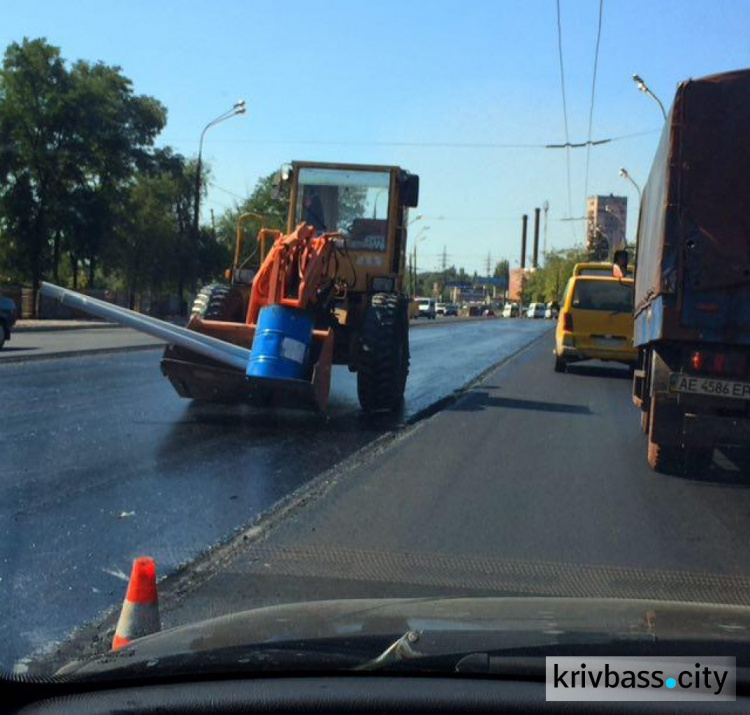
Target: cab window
<point>612,296</point>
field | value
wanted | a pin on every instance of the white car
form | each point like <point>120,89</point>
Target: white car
<point>427,308</point>
<point>536,310</point>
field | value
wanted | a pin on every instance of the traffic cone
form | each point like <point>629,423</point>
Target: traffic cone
<point>140,609</point>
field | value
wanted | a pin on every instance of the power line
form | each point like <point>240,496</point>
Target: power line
<point>593,93</point>
<point>427,145</point>
<point>565,104</point>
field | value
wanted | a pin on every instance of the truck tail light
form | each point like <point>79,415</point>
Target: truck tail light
<point>711,362</point>
<point>568,322</point>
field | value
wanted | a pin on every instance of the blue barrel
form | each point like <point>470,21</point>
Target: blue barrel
<point>281,346</point>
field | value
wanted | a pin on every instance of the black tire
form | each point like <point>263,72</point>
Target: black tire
<point>4,334</point>
<point>383,361</point>
<point>560,365</point>
<point>219,302</point>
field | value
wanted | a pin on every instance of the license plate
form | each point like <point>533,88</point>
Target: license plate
<point>609,342</point>
<point>679,382</point>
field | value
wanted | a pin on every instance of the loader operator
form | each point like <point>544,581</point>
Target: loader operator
<point>313,212</point>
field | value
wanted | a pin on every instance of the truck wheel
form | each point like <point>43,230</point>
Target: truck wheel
<point>560,365</point>
<point>219,302</point>
<point>383,361</point>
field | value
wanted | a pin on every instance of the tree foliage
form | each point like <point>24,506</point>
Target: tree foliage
<point>72,142</point>
<point>269,203</point>
<point>546,284</point>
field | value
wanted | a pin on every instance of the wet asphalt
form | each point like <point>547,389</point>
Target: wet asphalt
<point>100,461</point>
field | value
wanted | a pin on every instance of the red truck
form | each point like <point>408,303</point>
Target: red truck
<point>692,281</point>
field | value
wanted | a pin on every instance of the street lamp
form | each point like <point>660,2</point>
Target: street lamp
<point>644,88</point>
<point>624,174</point>
<point>237,108</point>
<point>419,237</point>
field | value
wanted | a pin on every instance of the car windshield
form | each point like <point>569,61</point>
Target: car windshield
<point>290,325</point>
<point>608,295</point>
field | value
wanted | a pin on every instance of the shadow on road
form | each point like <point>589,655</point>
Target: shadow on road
<point>595,371</point>
<point>7,349</point>
<point>730,468</point>
<point>480,400</point>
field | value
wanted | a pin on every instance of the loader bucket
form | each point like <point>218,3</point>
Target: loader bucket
<point>196,377</point>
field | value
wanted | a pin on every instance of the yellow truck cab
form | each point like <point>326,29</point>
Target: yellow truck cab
<point>596,318</point>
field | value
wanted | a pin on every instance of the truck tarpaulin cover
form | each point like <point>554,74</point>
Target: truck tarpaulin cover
<point>695,213</point>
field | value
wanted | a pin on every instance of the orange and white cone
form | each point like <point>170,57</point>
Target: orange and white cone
<point>140,609</point>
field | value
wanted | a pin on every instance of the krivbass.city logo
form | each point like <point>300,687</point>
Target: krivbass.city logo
<point>629,678</point>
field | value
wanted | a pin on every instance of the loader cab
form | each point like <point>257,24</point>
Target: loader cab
<point>367,206</point>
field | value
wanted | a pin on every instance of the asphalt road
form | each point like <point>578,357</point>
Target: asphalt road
<point>532,483</point>
<point>100,461</point>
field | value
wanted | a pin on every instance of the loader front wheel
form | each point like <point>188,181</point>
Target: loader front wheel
<point>219,302</point>
<point>383,363</point>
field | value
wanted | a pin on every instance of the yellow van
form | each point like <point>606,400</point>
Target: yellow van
<point>595,321</point>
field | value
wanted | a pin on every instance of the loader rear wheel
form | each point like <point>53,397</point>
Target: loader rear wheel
<point>219,302</point>
<point>383,362</point>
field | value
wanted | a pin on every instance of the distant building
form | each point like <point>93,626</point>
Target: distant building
<point>606,218</point>
<point>515,287</point>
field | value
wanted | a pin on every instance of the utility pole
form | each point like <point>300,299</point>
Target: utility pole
<point>414,263</point>
<point>523,241</point>
<point>535,261</point>
<point>444,266</point>
<point>545,206</point>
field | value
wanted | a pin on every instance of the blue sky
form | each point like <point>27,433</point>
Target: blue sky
<point>453,91</point>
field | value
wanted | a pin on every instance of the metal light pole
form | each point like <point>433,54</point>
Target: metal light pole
<point>624,174</point>
<point>644,88</point>
<point>419,237</point>
<point>238,108</point>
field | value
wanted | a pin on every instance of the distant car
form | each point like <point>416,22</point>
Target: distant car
<point>8,316</point>
<point>511,310</point>
<point>552,311</point>
<point>427,308</point>
<point>596,322</point>
<point>488,313</point>
<point>451,309</point>
<point>440,309</point>
<point>536,310</point>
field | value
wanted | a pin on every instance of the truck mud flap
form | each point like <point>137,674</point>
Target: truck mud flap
<point>667,423</point>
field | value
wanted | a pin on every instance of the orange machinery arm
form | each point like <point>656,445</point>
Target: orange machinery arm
<point>292,272</point>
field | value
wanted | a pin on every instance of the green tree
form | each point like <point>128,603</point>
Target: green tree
<point>267,201</point>
<point>110,139</point>
<point>33,156</point>
<point>71,143</point>
<point>546,284</point>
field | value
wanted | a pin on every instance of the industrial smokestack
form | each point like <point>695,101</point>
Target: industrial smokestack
<point>536,238</point>
<point>523,241</point>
